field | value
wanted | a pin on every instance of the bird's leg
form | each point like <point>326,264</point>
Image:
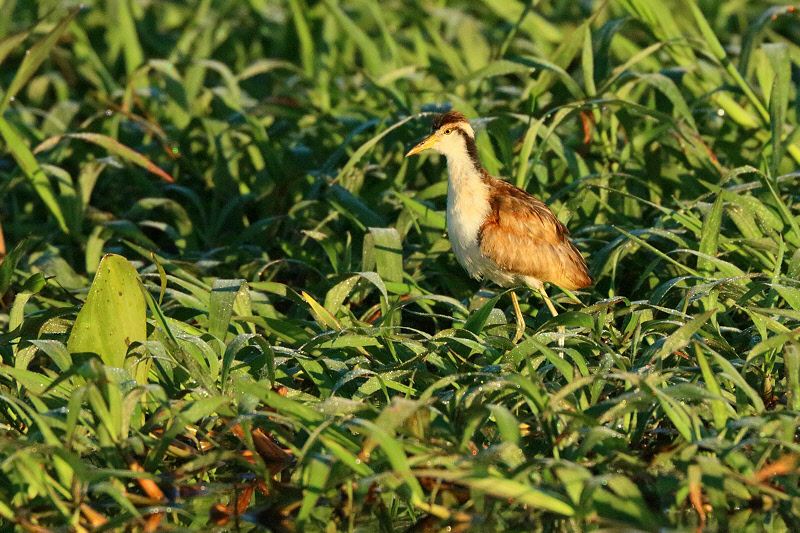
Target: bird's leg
<point>520,318</point>
<point>553,312</point>
<point>549,303</point>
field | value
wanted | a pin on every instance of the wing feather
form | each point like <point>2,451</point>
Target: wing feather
<point>524,237</point>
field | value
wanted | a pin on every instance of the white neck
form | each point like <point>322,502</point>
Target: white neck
<point>467,209</point>
<point>461,172</point>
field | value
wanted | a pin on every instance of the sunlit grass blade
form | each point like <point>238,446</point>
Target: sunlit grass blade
<point>27,162</point>
<point>224,293</point>
<point>113,146</point>
<point>34,57</point>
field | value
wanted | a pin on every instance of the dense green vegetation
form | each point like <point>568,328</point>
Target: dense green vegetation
<point>282,338</point>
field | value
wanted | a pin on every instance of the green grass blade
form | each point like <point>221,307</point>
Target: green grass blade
<point>27,162</point>
<point>10,261</point>
<point>34,57</point>
<point>223,295</point>
<point>115,147</point>
<point>307,53</point>
<point>778,103</point>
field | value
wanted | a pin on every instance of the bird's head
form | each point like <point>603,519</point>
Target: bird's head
<point>452,136</point>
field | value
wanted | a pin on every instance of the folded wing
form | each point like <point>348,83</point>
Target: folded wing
<point>525,238</point>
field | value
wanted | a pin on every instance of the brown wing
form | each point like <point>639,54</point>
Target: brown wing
<point>524,237</point>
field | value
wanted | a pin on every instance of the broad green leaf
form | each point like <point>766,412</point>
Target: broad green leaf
<point>113,316</point>
<point>388,252</point>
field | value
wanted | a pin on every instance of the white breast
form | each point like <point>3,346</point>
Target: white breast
<point>467,209</point>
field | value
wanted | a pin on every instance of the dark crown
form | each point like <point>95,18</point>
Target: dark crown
<point>447,118</point>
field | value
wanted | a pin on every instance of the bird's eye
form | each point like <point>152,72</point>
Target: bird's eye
<point>448,131</point>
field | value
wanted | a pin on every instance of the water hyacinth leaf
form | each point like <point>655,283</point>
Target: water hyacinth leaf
<point>113,316</point>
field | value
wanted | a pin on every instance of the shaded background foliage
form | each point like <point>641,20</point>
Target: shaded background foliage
<point>247,159</point>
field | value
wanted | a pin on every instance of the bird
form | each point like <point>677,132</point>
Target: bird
<point>499,231</point>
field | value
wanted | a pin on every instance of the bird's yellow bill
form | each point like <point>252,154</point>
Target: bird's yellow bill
<point>424,145</point>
